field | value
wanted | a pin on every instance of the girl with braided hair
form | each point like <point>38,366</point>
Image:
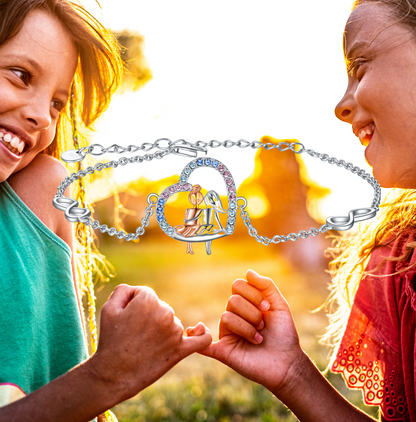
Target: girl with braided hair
<point>59,65</point>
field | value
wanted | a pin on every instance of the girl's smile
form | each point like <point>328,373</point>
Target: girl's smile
<point>37,66</point>
<point>380,101</point>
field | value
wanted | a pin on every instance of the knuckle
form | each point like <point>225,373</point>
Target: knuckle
<point>238,285</point>
<point>226,318</point>
<point>122,286</point>
<point>148,291</point>
<point>167,315</point>
<point>149,295</point>
<point>233,302</point>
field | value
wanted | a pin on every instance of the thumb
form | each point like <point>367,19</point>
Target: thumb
<point>268,289</point>
<point>195,343</point>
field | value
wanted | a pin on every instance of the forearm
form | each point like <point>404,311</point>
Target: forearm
<point>77,396</point>
<point>313,399</point>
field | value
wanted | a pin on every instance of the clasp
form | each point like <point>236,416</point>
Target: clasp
<point>187,151</point>
<point>72,156</point>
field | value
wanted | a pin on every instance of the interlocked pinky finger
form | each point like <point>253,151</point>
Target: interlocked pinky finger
<point>231,323</point>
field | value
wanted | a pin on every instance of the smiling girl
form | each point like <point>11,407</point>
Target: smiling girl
<point>375,275</point>
<point>49,48</point>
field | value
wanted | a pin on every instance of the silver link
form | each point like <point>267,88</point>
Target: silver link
<point>200,144</point>
<point>158,141</point>
<point>147,146</point>
<point>228,144</point>
<point>256,145</point>
<point>242,143</point>
<point>283,146</point>
<point>214,144</point>
<point>92,147</point>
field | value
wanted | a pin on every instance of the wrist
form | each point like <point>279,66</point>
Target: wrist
<point>297,376</point>
<point>111,385</point>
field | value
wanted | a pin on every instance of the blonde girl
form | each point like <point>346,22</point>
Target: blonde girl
<point>49,50</point>
<point>374,279</point>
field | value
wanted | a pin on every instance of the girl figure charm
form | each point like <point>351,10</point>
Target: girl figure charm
<point>192,216</point>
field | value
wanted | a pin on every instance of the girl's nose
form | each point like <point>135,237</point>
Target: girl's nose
<point>39,115</point>
<point>345,108</point>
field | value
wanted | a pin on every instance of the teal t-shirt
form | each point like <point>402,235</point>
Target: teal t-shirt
<point>41,335</point>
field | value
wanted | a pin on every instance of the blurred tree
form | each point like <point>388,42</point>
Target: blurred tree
<point>137,71</point>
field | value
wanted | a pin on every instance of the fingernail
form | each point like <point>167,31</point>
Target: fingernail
<point>260,326</point>
<point>265,305</point>
<point>258,338</point>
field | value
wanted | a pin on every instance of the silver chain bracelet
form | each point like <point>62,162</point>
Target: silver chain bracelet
<point>201,224</point>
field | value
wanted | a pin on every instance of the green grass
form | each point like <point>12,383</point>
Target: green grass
<point>197,287</point>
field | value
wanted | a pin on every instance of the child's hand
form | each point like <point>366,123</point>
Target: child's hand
<point>140,340</point>
<point>258,337</point>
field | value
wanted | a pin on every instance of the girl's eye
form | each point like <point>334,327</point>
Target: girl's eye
<point>57,105</point>
<point>354,65</point>
<point>22,74</point>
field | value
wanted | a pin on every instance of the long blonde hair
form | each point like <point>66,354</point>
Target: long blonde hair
<point>351,252</point>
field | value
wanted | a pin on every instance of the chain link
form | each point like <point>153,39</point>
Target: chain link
<point>122,234</point>
<point>353,169</point>
<point>97,149</point>
<point>165,146</point>
<point>278,238</point>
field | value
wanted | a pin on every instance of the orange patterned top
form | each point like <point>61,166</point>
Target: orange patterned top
<point>378,351</point>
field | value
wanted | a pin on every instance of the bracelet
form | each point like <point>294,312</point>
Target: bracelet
<point>201,224</point>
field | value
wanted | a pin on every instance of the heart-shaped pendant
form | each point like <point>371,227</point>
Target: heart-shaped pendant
<point>201,223</point>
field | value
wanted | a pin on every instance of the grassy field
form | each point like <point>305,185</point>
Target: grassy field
<point>197,287</point>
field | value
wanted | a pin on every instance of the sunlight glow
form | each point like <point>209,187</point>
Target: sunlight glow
<point>258,205</point>
<point>238,70</point>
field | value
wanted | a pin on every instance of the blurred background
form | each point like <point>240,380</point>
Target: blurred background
<point>227,70</point>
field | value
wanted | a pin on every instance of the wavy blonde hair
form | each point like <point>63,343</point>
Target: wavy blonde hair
<point>351,253</point>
